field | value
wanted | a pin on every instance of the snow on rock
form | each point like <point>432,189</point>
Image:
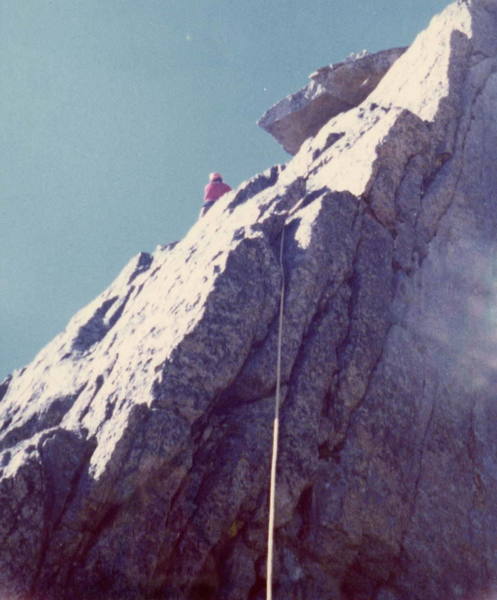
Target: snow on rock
<point>135,449</point>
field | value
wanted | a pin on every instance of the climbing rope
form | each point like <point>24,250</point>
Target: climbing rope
<point>276,428</point>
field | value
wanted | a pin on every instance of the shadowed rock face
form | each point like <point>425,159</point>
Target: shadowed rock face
<point>135,449</point>
<point>332,90</point>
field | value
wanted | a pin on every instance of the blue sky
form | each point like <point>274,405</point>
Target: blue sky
<point>113,113</point>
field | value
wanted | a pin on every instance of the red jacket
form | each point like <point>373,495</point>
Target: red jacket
<point>215,190</point>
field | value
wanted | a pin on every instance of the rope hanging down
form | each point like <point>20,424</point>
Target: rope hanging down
<point>276,427</point>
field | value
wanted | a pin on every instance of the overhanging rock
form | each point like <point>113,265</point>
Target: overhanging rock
<point>332,89</point>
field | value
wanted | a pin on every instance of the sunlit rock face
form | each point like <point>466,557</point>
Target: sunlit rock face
<point>135,449</point>
<point>331,90</point>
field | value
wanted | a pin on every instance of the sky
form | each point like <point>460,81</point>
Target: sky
<point>113,113</point>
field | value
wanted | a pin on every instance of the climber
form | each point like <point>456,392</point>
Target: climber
<point>213,191</point>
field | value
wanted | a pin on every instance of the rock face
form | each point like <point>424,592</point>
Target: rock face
<point>135,449</point>
<point>332,90</point>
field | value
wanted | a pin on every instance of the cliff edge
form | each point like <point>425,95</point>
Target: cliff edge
<point>135,448</point>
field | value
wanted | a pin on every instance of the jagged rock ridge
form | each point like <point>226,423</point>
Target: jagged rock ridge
<point>332,90</point>
<point>135,448</point>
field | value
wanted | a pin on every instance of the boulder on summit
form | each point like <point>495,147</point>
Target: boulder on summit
<point>332,89</point>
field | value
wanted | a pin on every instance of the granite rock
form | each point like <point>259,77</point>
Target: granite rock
<point>331,90</point>
<point>135,449</point>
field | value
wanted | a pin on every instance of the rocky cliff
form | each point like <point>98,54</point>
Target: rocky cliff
<point>135,449</point>
<point>331,90</point>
